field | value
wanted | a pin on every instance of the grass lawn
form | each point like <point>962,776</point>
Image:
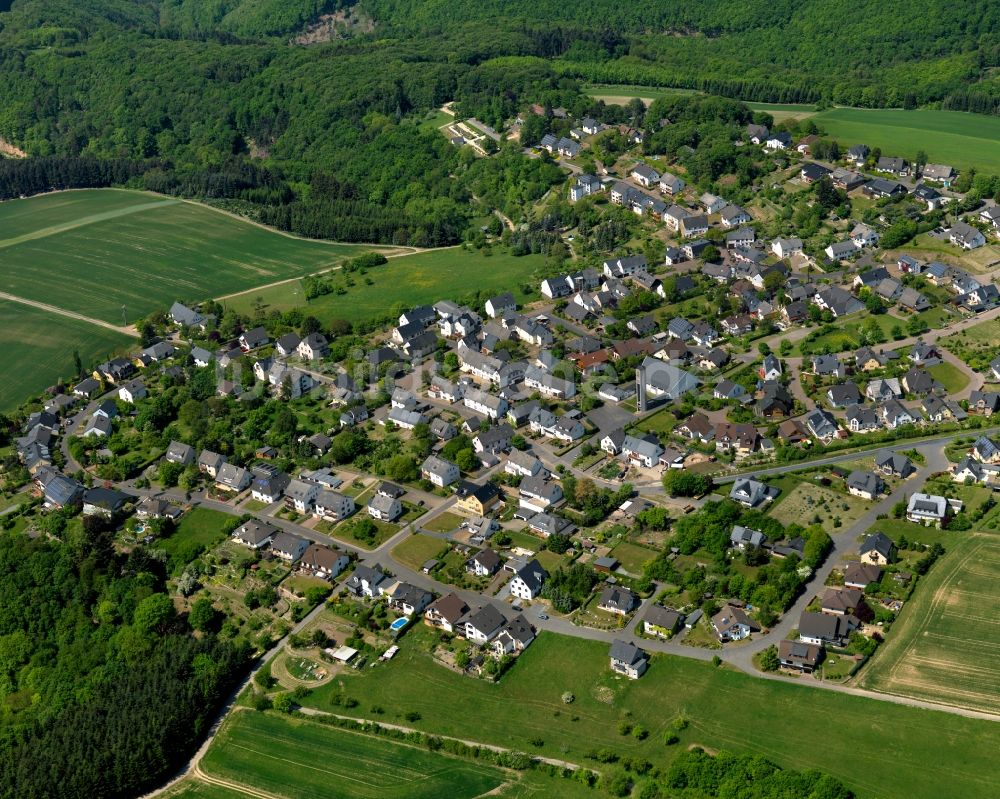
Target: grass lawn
<point>345,532</point>
<point>976,345</point>
<point>198,527</point>
<point>943,646</point>
<point>444,522</point>
<point>948,137</point>
<point>808,500</point>
<point>406,281</point>
<point>37,348</point>
<point>302,759</point>
<point>632,556</point>
<point>950,376</point>
<point>94,251</point>
<point>976,261</point>
<point>550,561</point>
<point>661,422</point>
<point>434,120</point>
<point>846,337</point>
<point>524,540</point>
<point>416,550</point>
<point>933,754</point>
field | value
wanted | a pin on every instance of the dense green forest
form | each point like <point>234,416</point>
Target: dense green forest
<point>208,98</point>
<point>105,688</point>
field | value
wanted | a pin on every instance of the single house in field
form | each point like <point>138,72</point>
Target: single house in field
<point>628,659</point>
<point>661,621</point>
<point>446,612</point>
<point>878,549</point>
<point>824,629</point>
<point>799,656</point>
<point>484,625</point>
<point>923,509</point>
<point>751,493</point>
<point>864,484</point>
<point>743,538</point>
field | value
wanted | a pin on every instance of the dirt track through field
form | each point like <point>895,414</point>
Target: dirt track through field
<point>83,221</point>
<point>42,306</point>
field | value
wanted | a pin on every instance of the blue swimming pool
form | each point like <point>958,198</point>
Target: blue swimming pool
<point>399,624</point>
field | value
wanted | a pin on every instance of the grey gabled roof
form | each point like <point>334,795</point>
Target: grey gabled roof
<point>626,652</point>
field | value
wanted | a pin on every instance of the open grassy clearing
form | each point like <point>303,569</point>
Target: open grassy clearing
<point>945,644</point>
<point>36,349</point>
<point>807,502</point>
<point>632,557</point>
<point>976,345</point>
<point>846,336</point>
<point>950,376</point>
<point>302,759</point>
<point>416,550</point>
<point>933,754</point>
<point>198,527</point>
<point>443,523</point>
<point>950,137</point>
<point>405,281</point>
<point>101,249</point>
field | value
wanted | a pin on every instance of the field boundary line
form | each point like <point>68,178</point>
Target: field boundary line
<point>130,330</point>
<point>204,776</point>
<point>310,711</point>
<point>84,221</point>
<point>326,271</point>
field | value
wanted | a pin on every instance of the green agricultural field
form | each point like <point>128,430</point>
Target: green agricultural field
<point>38,347</point>
<point>405,281</point>
<point>94,251</point>
<point>948,137</point>
<point>932,754</point>
<point>943,647</point>
<point>301,759</point>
